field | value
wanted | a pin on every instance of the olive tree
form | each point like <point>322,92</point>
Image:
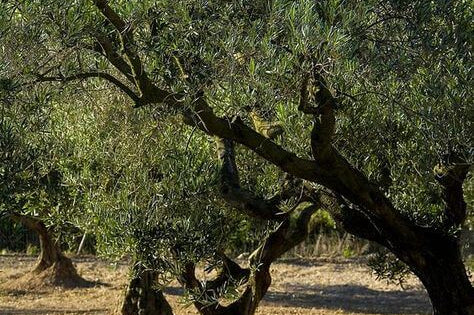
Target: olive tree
<point>372,98</point>
<point>31,190</point>
<point>112,158</point>
<point>160,201</point>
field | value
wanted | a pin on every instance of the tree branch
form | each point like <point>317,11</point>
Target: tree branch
<point>451,178</point>
<point>336,173</point>
<point>114,18</point>
<point>105,47</point>
<point>32,223</point>
<point>324,118</point>
<point>287,235</point>
<point>87,75</point>
<point>232,192</point>
<point>350,218</point>
<point>202,116</point>
<point>125,32</point>
<point>188,277</point>
<point>230,272</point>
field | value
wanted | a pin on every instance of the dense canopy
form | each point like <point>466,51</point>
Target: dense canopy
<point>363,108</point>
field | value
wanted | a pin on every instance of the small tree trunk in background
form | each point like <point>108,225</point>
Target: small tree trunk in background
<point>52,267</point>
<point>83,240</point>
<point>50,253</point>
<point>143,299</point>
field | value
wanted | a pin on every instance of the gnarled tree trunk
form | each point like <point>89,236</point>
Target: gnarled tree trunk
<point>52,266</point>
<point>293,227</point>
<point>442,272</point>
<point>142,298</point>
<point>433,255</point>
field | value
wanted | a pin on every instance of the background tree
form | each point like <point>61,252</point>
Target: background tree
<point>131,178</point>
<point>31,190</point>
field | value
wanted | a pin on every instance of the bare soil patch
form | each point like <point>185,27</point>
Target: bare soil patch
<point>300,287</point>
<point>55,276</point>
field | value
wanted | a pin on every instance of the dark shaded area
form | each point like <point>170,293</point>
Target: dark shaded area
<point>12,311</point>
<point>352,298</point>
<point>15,237</point>
<point>174,291</point>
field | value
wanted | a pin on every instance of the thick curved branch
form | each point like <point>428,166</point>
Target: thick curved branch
<point>87,75</point>
<point>349,217</point>
<point>202,116</point>
<point>287,235</point>
<point>336,173</point>
<point>451,179</point>
<point>205,297</point>
<point>234,194</point>
<point>190,283</point>
<point>135,69</point>
<point>329,169</point>
<point>30,222</point>
<point>290,232</point>
<point>230,272</point>
<point>324,119</point>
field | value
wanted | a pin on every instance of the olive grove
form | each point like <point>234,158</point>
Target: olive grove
<point>365,105</point>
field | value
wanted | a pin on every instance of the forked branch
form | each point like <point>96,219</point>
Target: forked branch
<point>232,192</point>
<point>131,64</point>
<point>323,112</point>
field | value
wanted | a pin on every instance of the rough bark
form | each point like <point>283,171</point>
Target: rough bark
<point>437,263</point>
<point>257,279</point>
<point>440,268</point>
<point>142,298</point>
<point>237,197</point>
<point>451,178</point>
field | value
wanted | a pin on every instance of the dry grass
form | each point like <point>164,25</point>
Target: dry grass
<point>299,287</point>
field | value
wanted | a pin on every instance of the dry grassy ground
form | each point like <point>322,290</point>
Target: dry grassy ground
<point>299,287</point>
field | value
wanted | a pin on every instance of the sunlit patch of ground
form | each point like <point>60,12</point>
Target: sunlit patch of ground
<point>306,287</point>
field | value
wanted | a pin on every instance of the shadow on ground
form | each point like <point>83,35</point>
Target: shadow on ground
<point>12,311</point>
<point>352,298</point>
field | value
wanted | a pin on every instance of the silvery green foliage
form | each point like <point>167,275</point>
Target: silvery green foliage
<point>401,71</point>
